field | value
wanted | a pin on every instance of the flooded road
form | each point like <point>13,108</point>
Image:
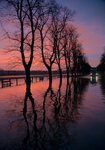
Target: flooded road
<point>68,116</point>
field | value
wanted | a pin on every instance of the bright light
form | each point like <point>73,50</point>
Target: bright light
<point>91,78</point>
<point>97,79</point>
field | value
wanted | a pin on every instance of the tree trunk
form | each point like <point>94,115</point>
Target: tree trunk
<point>28,80</point>
<point>50,77</point>
<point>67,76</point>
<point>72,73</point>
<point>60,70</point>
<point>67,72</point>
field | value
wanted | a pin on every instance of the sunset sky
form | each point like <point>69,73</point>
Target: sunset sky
<point>90,23</point>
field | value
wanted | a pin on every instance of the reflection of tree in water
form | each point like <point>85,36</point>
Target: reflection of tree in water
<point>53,129</point>
<point>27,141</point>
<point>102,86</point>
<point>72,99</point>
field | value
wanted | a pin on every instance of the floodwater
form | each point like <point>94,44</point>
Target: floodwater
<point>66,117</point>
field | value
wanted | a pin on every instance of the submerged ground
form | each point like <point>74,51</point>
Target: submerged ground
<point>70,116</point>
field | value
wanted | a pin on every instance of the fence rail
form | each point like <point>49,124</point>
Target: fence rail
<point>7,80</point>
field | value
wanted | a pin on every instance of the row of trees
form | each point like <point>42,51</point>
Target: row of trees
<point>101,66</point>
<point>43,26</point>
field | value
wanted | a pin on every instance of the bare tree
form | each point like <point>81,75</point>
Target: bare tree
<point>69,39</point>
<point>51,25</point>
<point>48,42</point>
<point>23,15</point>
<point>101,66</point>
<point>75,51</point>
<point>60,22</point>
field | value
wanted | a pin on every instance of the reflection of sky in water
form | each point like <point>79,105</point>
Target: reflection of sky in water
<point>70,117</point>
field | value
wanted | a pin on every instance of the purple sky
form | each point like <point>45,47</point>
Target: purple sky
<point>90,23</point>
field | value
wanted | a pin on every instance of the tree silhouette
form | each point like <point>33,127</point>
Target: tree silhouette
<point>69,48</point>
<point>59,24</point>
<point>101,66</point>
<point>24,16</point>
<point>50,26</point>
<point>75,60</point>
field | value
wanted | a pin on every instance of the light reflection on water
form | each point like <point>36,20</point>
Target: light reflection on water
<point>70,116</point>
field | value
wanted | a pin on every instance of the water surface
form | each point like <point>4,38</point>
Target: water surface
<point>70,116</point>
